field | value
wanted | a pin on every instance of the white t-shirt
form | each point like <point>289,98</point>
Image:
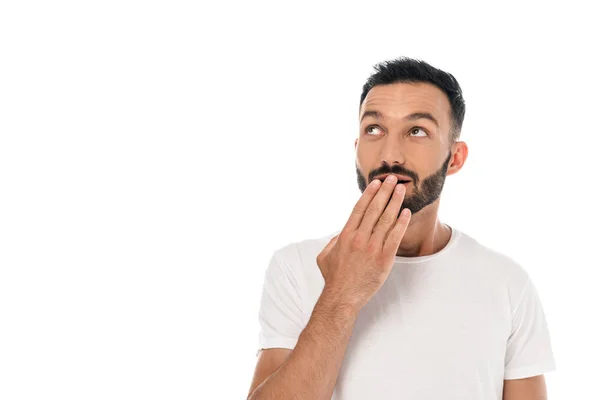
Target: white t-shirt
<point>451,325</point>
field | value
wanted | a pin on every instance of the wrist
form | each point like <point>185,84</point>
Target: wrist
<point>340,302</point>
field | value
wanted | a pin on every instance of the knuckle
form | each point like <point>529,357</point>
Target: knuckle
<point>357,241</point>
<point>380,262</point>
<point>373,209</point>
<point>373,248</point>
<point>386,219</point>
<point>344,236</point>
<point>358,209</point>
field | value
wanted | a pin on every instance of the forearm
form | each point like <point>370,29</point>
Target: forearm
<point>312,368</point>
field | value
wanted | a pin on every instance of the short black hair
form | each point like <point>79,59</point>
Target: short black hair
<point>409,70</point>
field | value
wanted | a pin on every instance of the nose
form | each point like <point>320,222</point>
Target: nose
<point>392,152</point>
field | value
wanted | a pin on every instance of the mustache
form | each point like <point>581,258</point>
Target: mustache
<point>395,169</point>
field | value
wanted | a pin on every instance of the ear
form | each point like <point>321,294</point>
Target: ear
<point>355,143</point>
<point>459,157</point>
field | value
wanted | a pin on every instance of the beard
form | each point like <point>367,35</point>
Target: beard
<point>423,194</point>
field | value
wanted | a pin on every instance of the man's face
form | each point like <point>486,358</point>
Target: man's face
<point>391,141</point>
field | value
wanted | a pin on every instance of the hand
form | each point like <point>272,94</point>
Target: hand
<point>356,262</point>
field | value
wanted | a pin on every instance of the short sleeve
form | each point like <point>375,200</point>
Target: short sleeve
<point>528,350</point>
<point>281,312</point>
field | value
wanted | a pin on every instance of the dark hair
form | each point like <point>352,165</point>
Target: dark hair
<point>405,69</point>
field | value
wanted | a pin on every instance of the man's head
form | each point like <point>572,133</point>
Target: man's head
<point>410,118</point>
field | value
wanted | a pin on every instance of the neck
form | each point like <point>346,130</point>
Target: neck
<point>425,234</point>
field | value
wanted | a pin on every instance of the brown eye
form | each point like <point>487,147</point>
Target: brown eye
<point>369,129</point>
<point>419,129</point>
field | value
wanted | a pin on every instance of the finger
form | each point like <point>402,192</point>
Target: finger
<point>392,242</point>
<point>389,216</point>
<point>361,206</point>
<point>329,245</point>
<point>376,207</point>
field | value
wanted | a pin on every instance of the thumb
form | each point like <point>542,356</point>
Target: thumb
<point>331,243</point>
<point>323,254</point>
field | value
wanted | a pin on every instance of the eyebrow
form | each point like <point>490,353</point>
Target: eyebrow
<point>412,117</point>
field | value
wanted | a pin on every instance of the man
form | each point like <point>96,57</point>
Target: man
<point>398,305</point>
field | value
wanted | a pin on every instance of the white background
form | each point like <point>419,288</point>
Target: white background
<point>154,154</point>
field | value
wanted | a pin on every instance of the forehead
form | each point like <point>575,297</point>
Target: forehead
<point>397,100</point>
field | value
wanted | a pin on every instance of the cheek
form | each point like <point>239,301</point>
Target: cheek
<point>427,161</point>
<point>371,149</point>
<point>366,159</point>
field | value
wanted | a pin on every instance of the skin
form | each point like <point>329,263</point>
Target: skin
<point>354,264</point>
<point>392,144</point>
<point>386,144</point>
<point>420,149</point>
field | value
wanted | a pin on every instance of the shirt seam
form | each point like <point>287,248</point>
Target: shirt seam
<point>521,300</point>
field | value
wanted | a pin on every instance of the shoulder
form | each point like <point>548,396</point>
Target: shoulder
<point>301,252</point>
<point>297,259</point>
<point>498,265</point>
<point>490,256</point>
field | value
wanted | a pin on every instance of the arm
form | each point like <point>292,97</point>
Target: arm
<point>311,369</point>
<point>354,265</point>
<point>533,388</point>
